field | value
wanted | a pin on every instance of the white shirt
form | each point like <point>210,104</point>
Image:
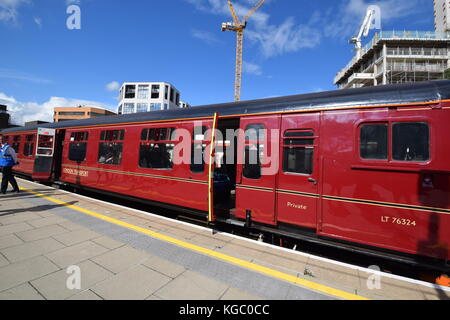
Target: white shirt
<point>11,152</point>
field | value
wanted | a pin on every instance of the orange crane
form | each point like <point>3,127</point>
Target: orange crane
<point>239,26</point>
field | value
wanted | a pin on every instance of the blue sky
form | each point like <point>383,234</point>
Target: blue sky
<point>290,47</point>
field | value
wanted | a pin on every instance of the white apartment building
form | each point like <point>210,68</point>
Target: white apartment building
<point>442,15</point>
<point>147,96</point>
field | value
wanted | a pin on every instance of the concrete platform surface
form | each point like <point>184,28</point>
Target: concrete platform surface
<point>58,245</point>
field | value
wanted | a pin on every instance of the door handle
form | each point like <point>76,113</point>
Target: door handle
<point>312,180</point>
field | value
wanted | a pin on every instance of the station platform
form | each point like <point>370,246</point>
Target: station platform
<point>122,253</point>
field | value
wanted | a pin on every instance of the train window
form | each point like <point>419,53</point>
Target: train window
<point>198,150</point>
<point>28,147</point>
<point>79,136</point>
<point>253,150</point>
<point>374,141</point>
<point>77,151</point>
<point>112,135</point>
<point>298,151</point>
<point>110,151</point>
<point>78,146</point>
<point>156,148</point>
<point>45,146</point>
<point>16,143</point>
<point>411,141</point>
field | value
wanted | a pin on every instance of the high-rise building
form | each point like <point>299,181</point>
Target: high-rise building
<point>147,96</point>
<point>442,15</point>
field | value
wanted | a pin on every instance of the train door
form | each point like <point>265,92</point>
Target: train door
<point>58,154</point>
<point>45,147</point>
<point>257,169</point>
<point>298,180</point>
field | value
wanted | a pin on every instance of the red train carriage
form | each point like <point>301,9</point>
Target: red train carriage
<point>367,166</point>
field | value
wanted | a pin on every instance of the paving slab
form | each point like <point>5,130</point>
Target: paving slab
<point>54,286</point>
<point>18,273</point>
<point>31,249</point>
<point>108,243</point>
<point>85,296</point>
<point>77,236</point>
<point>23,292</point>
<point>237,294</point>
<point>192,286</point>
<point>164,266</point>
<point>9,240</point>
<point>120,259</point>
<point>6,219</point>
<point>76,253</point>
<point>3,261</point>
<point>136,283</point>
<point>41,233</point>
<point>12,228</point>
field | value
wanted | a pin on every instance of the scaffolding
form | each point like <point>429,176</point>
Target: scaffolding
<point>398,57</point>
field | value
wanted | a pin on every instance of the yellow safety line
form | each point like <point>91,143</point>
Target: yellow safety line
<point>236,261</point>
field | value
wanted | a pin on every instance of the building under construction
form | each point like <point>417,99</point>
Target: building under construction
<point>399,56</point>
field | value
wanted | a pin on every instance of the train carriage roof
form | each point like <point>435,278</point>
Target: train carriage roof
<point>420,92</point>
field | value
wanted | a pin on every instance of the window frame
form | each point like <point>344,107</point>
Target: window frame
<point>29,142</point>
<point>106,137</point>
<point>264,140</point>
<point>390,160</point>
<point>311,135</point>
<point>147,140</point>
<point>78,137</point>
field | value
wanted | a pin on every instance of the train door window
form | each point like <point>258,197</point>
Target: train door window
<point>374,141</point>
<point>28,147</point>
<point>110,147</point>
<point>156,148</point>
<point>253,150</point>
<point>410,141</point>
<point>198,150</point>
<point>16,143</point>
<point>45,146</point>
<point>298,151</point>
<point>78,146</point>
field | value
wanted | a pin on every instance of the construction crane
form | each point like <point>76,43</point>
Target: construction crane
<point>364,30</point>
<point>239,26</point>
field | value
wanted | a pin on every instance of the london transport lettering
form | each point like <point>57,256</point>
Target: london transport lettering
<point>76,172</point>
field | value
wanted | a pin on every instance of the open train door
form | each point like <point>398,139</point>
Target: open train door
<point>45,148</point>
<point>212,156</point>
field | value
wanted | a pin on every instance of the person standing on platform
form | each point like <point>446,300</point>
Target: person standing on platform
<point>8,160</point>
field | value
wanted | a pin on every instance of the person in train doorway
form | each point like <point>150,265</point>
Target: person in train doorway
<point>8,160</point>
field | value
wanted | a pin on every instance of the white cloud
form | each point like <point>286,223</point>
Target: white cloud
<point>22,112</point>
<point>113,86</point>
<point>286,38</point>
<point>273,39</point>
<point>252,68</point>
<point>9,9</point>
<point>346,20</point>
<point>18,75</point>
<point>38,21</point>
